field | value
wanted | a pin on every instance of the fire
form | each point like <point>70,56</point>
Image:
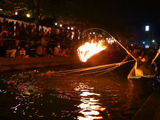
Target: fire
<point>89,49</point>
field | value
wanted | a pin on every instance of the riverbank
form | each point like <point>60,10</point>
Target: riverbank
<point>150,110</point>
<point>20,63</point>
<point>7,64</point>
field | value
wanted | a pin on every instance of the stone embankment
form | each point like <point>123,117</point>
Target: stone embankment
<point>150,110</point>
<point>35,62</point>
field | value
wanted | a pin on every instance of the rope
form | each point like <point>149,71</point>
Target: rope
<point>92,70</point>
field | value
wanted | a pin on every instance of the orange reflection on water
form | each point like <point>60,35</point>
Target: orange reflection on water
<point>90,105</point>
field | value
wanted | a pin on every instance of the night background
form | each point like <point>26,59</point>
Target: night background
<point>125,19</point>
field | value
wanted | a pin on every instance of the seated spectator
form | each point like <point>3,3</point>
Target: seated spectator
<point>22,52</point>
<point>63,53</point>
<point>44,51</point>
<point>67,52</point>
<point>11,53</point>
<point>23,33</point>
<point>39,51</point>
<point>49,52</point>
<point>10,48</point>
<point>18,49</point>
<point>32,50</point>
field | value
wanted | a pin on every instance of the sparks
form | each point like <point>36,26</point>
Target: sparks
<point>89,49</point>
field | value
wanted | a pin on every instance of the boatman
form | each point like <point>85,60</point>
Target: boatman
<point>144,66</point>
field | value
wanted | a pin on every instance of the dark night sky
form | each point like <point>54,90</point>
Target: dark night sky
<point>119,11</point>
<point>117,15</point>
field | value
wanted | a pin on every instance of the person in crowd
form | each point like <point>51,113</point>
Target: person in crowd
<point>26,33</point>
<point>27,49</point>
<point>67,52</point>
<point>18,48</point>
<point>49,52</point>
<point>44,51</point>
<point>2,48</point>
<point>39,51</point>
<point>44,41</point>
<point>63,52</point>
<point>22,52</point>
<point>137,52</point>
<point>10,48</point>
<point>57,50</point>
<point>32,50</point>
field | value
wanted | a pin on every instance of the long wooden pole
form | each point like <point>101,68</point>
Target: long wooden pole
<point>128,52</point>
<point>158,52</point>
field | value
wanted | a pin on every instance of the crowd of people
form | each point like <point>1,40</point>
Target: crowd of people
<point>22,40</point>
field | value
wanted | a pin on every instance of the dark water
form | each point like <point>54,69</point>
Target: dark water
<point>38,95</point>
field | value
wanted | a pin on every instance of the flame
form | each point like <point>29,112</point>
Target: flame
<point>89,49</point>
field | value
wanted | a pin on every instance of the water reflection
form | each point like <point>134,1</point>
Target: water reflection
<point>90,105</point>
<point>39,95</point>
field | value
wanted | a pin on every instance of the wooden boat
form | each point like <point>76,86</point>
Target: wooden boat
<point>144,83</point>
<point>142,77</point>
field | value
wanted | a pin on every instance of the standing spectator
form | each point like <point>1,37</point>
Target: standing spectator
<point>27,49</point>
<point>57,50</point>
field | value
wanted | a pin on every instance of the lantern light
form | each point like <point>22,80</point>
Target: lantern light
<point>60,25</point>
<point>143,42</point>
<point>16,13</point>
<point>147,28</point>
<point>55,23</point>
<point>28,15</point>
<point>68,28</point>
<point>153,41</point>
<point>72,28</point>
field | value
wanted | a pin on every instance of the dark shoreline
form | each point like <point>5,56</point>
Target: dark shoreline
<point>9,64</point>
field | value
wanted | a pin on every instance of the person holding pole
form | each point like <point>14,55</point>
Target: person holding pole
<point>144,66</point>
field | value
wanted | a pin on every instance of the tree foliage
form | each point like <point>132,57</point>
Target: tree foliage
<point>43,8</point>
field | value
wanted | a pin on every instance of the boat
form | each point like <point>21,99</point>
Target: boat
<point>142,77</point>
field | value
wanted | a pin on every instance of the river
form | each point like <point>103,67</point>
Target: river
<point>39,95</point>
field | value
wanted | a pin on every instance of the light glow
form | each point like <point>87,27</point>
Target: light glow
<point>147,46</point>
<point>16,13</point>
<point>153,41</point>
<point>72,28</point>
<point>60,25</point>
<point>55,23</point>
<point>143,42</point>
<point>68,28</point>
<point>28,15</point>
<point>89,49</point>
<point>147,28</point>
